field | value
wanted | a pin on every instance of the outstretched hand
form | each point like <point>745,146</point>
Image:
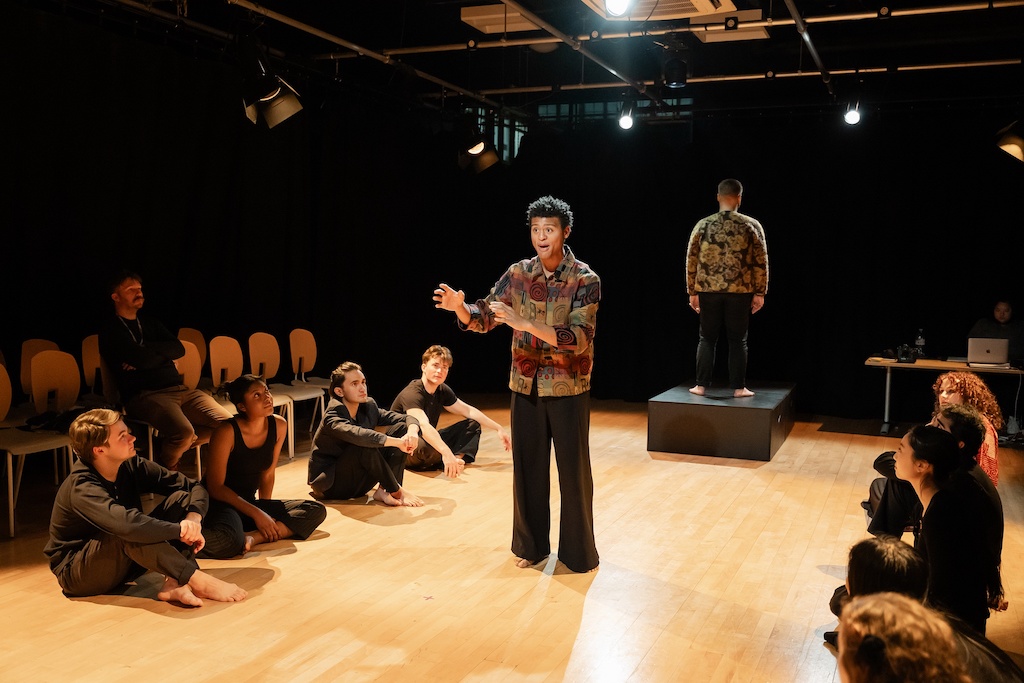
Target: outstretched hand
<point>506,440</point>
<point>447,298</point>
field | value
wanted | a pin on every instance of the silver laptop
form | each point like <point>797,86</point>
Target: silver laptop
<point>988,352</point>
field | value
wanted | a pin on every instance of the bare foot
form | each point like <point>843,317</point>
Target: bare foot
<point>212,588</point>
<point>386,498</point>
<point>172,591</point>
<point>411,501</point>
<point>249,543</point>
<point>742,393</point>
<point>697,390</point>
<point>523,563</point>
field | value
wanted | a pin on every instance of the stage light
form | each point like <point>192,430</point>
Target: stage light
<point>264,92</point>
<point>852,115</point>
<point>1011,140</point>
<point>627,114</point>
<point>617,8</point>
<point>674,70</point>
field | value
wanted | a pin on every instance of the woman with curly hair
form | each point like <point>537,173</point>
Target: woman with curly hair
<point>968,388</point>
<point>890,638</point>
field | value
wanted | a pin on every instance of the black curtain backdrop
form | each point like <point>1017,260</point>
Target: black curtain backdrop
<point>121,153</point>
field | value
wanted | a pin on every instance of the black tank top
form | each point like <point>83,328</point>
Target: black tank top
<point>247,465</point>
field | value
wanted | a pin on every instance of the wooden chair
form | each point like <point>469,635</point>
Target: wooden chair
<point>226,364</point>
<point>18,443</point>
<point>302,345</point>
<point>196,337</point>
<point>29,348</point>
<point>265,360</point>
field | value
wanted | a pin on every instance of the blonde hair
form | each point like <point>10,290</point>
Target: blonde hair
<point>90,430</point>
<point>890,638</point>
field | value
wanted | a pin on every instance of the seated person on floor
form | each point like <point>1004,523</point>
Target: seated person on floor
<point>895,505</point>
<point>888,637</point>
<point>1001,326</point>
<point>243,461</point>
<point>140,353</point>
<point>349,456</point>
<point>887,564</point>
<point>100,538</point>
<point>453,447</point>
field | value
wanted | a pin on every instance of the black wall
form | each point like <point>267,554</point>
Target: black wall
<point>122,153</point>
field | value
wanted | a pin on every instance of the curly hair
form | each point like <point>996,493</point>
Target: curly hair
<point>550,207</point>
<point>890,638</point>
<point>974,392</point>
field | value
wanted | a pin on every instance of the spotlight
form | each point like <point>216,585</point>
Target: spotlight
<point>617,8</point>
<point>852,115</point>
<point>674,71</point>
<point>627,114</point>
<point>1011,140</point>
<point>264,92</point>
<point>475,153</point>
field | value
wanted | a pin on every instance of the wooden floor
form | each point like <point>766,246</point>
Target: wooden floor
<point>711,570</point>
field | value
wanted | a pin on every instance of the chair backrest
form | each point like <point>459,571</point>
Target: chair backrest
<point>264,355</point>
<point>6,392</point>
<point>189,365</point>
<point>225,359</point>
<point>302,346</point>
<point>91,361</point>
<point>57,372</point>
<point>29,348</point>
<point>196,337</point>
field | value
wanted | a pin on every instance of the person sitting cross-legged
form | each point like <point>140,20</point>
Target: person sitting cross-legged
<point>243,462</point>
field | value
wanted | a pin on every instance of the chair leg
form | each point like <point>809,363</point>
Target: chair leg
<point>199,462</point>
<point>10,494</point>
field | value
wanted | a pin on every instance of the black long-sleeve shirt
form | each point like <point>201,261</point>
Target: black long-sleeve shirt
<point>338,430</point>
<point>87,506</point>
<point>147,346</point>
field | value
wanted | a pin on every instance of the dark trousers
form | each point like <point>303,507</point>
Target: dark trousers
<point>898,507</point>
<point>224,527</point>
<point>537,422</point>
<point>356,471</point>
<point>463,438</point>
<point>732,311</point>
<point>107,562</point>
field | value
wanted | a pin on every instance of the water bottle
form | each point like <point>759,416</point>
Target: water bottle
<point>919,343</point>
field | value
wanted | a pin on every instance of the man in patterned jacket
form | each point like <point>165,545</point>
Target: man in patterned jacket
<point>550,302</point>
<point>727,279</point>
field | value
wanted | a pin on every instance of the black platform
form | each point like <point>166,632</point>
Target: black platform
<point>717,424</point>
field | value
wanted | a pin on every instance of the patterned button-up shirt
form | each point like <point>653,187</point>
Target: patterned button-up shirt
<point>567,301</point>
<point>727,253</point>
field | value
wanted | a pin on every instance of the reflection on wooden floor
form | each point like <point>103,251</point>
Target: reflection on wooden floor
<point>711,570</point>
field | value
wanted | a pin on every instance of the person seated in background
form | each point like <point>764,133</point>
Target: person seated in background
<point>349,456</point>
<point>243,461</point>
<point>100,538</point>
<point>140,353</point>
<point>896,505</point>
<point>961,530</point>
<point>890,638</point>
<point>887,564</point>
<point>1002,326</point>
<point>453,447</point>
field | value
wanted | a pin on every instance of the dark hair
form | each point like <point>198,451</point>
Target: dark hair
<point>438,351</point>
<point>730,187</point>
<point>338,376</point>
<point>886,564</point>
<point>967,427</point>
<point>238,387</point>
<point>938,448</point>
<point>120,276</point>
<point>549,207</point>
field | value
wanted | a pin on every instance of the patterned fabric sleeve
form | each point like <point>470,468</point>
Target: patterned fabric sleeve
<point>988,454</point>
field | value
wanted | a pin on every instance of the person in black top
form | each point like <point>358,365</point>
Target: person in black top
<point>100,538</point>
<point>959,527</point>
<point>243,461</point>
<point>350,456</point>
<point>140,353</point>
<point>453,447</point>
